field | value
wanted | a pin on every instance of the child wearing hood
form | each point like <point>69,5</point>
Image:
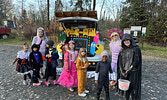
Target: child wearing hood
<point>130,66</point>
<point>36,62</point>
<point>102,75</point>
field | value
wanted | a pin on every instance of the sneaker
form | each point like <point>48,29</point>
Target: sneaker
<point>36,84</point>
<point>29,82</point>
<point>54,82</point>
<point>40,81</point>
<point>112,83</point>
<point>47,83</point>
<point>24,82</point>
<point>71,89</point>
<point>86,91</point>
<point>82,94</point>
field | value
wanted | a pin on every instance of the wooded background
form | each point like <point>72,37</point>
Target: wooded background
<point>111,14</point>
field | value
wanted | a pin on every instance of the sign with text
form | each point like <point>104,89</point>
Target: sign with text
<point>135,28</point>
<point>126,31</point>
<point>143,31</point>
<point>135,33</point>
<point>90,74</point>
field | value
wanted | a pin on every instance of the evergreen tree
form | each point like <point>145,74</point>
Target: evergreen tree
<point>134,14</point>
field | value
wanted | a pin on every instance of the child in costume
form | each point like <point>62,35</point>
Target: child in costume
<point>36,62</point>
<point>51,55</point>
<point>41,40</point>
<point>102,75</point>
<point>73,70</point>
<point>82,64</point>
<point>23,67</point>
<point>115,47</point>
<point>65,78</point>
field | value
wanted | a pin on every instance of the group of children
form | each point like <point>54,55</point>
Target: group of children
<point>74,72</point>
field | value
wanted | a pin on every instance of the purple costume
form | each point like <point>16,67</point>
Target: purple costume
<point>115,48</point>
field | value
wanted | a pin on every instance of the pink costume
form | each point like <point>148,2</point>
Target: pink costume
<point>68,78</point>
<point>42,46</point>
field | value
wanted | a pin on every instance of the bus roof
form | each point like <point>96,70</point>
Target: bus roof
<point>90,14</point>
<point>73,19</point>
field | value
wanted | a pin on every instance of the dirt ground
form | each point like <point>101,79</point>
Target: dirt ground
<point>154,72</point>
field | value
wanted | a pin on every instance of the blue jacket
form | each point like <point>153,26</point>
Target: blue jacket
<point>54,57</point>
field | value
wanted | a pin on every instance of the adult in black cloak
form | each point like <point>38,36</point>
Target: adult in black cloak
<point>129,66</point>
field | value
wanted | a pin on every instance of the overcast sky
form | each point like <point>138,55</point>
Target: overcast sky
<point>110,5</point>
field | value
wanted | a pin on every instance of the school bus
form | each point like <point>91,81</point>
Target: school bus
<point>81,27</point>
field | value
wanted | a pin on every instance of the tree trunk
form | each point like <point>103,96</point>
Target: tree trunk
<point>102,8</point>
<point>94,5</point>
<point>48,12</point>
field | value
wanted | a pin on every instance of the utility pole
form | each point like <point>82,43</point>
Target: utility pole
<point>48,13</point>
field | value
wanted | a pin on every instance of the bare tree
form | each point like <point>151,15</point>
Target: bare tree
<point>102,9</point>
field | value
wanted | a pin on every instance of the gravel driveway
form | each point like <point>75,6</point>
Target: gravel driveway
<point>154,82</point>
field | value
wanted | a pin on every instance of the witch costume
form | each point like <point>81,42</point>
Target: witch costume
<point>36,62</point>
<point>129,67</point>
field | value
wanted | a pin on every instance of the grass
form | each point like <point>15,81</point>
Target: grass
<point>14,41</point>
<point>153,50</point>
<point>146,50</point>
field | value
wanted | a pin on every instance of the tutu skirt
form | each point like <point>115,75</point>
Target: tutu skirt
<point>65,79</point>
<point>23,69</point>
<point>68,78</point>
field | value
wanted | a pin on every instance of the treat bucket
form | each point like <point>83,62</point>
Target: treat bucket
<point>123,84</point>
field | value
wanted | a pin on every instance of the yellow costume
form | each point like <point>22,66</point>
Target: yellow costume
<point>82,74</point>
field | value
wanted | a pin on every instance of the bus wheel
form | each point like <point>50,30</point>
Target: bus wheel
<point>4,36</point>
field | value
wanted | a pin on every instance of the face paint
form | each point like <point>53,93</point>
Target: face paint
<point>99,48</point>
<point>92,48</point>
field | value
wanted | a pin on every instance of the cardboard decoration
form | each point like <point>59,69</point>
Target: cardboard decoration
<point>62,36</point>
<point>92,48</point>
<point>99,49</point>
<point>59,45</point>
<point>96,38</point>
<point>119,31</point>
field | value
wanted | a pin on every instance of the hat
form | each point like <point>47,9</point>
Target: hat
<point>25,43</point>
<point>50,42</point>
<point>104,53</point>
<point>35,46</point>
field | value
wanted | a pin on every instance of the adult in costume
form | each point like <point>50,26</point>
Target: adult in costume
<point>130,66</point>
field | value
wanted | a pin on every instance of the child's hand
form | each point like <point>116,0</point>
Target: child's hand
<point>86,65</point>
<point>48,55</point>
<point>96,81</point>
<point>11,64</point>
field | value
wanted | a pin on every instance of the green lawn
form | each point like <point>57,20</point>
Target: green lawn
<point>146,50</point>
<point>14,41</point>
<point>154,50</point>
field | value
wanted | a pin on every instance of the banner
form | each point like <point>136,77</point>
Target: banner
<point>90,74</point>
